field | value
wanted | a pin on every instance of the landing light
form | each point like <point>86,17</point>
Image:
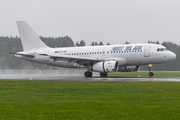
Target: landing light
<point>150,65</point>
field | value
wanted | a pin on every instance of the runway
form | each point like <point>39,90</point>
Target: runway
<point>82,78</point>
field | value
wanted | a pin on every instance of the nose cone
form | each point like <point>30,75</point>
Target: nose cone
<point>172,56</point>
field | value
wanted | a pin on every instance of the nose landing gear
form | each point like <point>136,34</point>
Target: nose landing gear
<point>150,73</point>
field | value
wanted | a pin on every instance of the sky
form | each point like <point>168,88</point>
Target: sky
<point>113,21</point>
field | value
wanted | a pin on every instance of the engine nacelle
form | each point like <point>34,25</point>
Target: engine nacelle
<point>128,68</point>
<point>106,66</point>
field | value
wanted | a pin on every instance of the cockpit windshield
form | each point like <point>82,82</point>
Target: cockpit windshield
<point>162,49</point>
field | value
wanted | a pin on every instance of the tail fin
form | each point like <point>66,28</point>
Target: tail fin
<point>29,38</point>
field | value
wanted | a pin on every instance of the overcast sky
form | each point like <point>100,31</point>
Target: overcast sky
<point>114,21</point>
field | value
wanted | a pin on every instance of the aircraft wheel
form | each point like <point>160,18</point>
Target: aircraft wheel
<point>151,74</point>
<point>88,74</point>
<point>103,74</point>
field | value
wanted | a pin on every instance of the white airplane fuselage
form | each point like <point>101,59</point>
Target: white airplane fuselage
<point>103,59</point>
<point>146,54</point>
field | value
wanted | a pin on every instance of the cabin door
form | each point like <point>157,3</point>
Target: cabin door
<point>147,51</point>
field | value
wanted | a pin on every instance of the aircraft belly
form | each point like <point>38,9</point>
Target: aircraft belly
<point>131,61</point>
<point>60,63</point>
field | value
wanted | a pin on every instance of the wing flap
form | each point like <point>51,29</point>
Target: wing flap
<point>79,60</point>
<point>85,60</point>
<point>72,58</point>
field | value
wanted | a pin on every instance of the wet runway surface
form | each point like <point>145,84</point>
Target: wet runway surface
<point>82,78</point>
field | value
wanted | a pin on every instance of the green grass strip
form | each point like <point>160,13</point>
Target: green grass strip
<point>78,100</point>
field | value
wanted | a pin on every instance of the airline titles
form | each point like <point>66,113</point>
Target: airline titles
<point>127,48</point>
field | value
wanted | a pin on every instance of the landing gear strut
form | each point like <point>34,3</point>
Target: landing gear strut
<point>150,73</point>
<point>103,74</point>
<point>88,74</point>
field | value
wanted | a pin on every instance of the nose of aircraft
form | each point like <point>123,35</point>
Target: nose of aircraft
<point>172,56</point>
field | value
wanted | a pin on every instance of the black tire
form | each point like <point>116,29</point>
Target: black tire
<point>88,74</point>
<point>103,74</point>
<point>151,74</point>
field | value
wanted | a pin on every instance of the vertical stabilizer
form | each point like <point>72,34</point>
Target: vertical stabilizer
<point>29,38</point>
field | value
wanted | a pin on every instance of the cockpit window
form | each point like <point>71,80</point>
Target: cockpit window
<point>165,49</point>
<point>162,49</point>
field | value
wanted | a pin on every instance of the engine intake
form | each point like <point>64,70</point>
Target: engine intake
<point>106,66</point>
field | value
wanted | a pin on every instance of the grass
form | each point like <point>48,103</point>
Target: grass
<point>77,100</point>
<point>144,74</point>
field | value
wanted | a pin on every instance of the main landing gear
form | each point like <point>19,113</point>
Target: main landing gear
<point>89,74</point>
<point>150,73</point>
<point>103,74</point>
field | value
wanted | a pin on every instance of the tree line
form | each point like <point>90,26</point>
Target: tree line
<point>13,44</point>
<point>82,43</point>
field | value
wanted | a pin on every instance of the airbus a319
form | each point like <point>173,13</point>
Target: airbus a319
<point>102,59</point>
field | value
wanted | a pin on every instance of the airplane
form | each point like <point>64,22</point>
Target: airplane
<point>102,59</point>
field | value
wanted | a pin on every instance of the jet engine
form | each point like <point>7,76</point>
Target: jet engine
<point>106,66</point>
<point>128,68</point>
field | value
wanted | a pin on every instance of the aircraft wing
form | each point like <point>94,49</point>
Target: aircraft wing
<point>79,60</point>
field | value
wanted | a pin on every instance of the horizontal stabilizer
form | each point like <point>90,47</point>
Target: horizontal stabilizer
<point>30,54</point>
